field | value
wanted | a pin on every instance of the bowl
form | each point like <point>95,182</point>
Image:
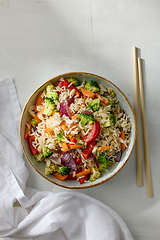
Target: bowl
<point>113,170</point>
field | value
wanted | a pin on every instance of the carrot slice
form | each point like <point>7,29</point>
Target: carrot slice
<point>75,146</point>
<point>87,93</point>
<point>105,147</point>
<point>83,173</point>
<point>123,138</point>
<point>64,146</point>
<point>27,130</point>
<point>59,176</point>
<point>102,99</point>
<point>37,118</point>
<point>39,100</point>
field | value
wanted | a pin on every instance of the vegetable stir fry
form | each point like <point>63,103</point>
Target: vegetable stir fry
<point>77,130</point>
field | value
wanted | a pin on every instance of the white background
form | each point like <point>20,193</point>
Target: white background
<point>41,39</point>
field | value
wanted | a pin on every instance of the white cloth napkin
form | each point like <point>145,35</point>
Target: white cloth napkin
<point>27,213</point>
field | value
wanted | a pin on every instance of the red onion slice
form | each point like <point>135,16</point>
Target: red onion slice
<point>118,156</point>
<point>68,161</point>
<point>87,112</point>
<point>69,101</point>
<point>64,109</point>
<point>58,160</point>
<point>92,156</point>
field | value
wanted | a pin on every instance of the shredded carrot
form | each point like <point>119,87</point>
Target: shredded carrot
<point>70,136</point>
<point>83,173</point>
<point>27,130</point>
<point>102,99</point>
<point>105,147</point>
<point>64,146</point>
<point>87,93</point>
<point>123,138</point>
<point>40,112</point>
<point>74,117</point>
<point>63,125</point>
<point>72,113</point>
<point>48,131</point>
<point>39,101</point>
<point>37,118</point>
<point>75,146</point>
<point>59,176</point>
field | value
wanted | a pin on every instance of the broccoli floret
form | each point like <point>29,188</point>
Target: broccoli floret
<point>56,110</point>
<point>86,119</point>
<point>110,121</point>
<point>63,170</point>
<point>33,122</point>
<point>52,168</point>
<point>92,86</point>
<point>61,138</point>
<point>75,81</point>
<point>95,104</point>
<point>94,174</point>
<point>51,92</point>
<point>46,152</point>
<point>39,157</point>
<point>49,106</point>
<point>103,162</point>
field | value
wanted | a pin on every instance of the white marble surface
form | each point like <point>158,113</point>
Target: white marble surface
<point>41,39</point>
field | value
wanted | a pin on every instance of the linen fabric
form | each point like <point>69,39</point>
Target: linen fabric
<point>26,213</point>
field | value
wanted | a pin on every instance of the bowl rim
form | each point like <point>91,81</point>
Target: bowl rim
<point>64,75</point>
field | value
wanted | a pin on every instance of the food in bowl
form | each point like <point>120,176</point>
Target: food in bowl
<point>77,129</point>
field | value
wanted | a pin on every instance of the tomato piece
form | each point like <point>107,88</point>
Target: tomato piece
<point>78,160</point>
<point>87,151</point>
<point>81,180</point>
<point>61,84</point>
<point>33,149</point>
<point>70,86</point>
<point>93,134</point>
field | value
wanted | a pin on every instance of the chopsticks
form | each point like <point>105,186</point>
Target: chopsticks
<point>138,85</point>
<point>136,95</point>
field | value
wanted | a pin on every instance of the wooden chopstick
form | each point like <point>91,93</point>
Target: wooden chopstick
<point>138,154</point>
<point>144,127</point>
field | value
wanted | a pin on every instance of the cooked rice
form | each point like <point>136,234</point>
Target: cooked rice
<point>109,136</point>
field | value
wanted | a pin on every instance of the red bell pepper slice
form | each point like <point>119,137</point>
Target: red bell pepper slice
<point>72,141</point>
<point>71,177</point>
<point>81,180</point>
<point>31,139</point>
<point>87,151</point>
<point>93,134</point>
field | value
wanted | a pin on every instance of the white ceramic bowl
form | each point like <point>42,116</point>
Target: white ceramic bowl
<point>113,170</point>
